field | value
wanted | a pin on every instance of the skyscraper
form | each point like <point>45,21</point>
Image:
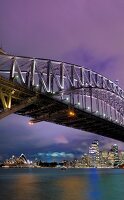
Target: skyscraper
<point>94,153</point>
<point>114,150</point>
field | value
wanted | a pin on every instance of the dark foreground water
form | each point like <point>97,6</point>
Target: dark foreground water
<point>55,184</point>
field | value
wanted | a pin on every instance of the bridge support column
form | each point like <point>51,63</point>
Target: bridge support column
<point>3,100</point>
<point>62,75</point>
<point>6,101</point>
<point>32,73</point>
<point>12,70</point>
<point>91,101</point>
<point>48,77</point>
<point>9,101</point>
<point>97,103</point>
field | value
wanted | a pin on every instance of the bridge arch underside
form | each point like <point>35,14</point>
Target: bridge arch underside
<point>57,112</point>
<point>97,103</point>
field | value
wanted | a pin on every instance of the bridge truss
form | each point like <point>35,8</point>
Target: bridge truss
<point>58,88</point>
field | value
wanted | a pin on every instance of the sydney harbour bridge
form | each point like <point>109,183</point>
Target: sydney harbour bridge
<point>62,93</point>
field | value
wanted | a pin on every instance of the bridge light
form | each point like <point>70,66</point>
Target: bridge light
<point>78,103</point>
<point>17,76</point>
<point>88,108</point>
<point>30,123</point>
<point>97,111</point>
<point>104,115</point>
<point>71,113</point>
<point>67,98</point>
<point>53,92</point>
<point>116,120</point>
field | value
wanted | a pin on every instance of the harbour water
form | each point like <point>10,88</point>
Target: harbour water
<point>56,184</point>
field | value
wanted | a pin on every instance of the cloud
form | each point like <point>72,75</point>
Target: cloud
<point>60,154</point>
<point>87,32</point>
<point>52,155</point>
<point>61,140</point>
<point>80,149</point>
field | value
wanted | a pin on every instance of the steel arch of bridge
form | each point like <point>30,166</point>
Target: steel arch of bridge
<point>73,85</point>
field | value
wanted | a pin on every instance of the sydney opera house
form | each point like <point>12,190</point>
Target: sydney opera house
<point>20,161</point>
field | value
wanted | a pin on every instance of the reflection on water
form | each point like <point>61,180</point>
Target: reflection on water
<point>73,188</point>
<point>54,184</point>
<point>26,186</point>
<point>94,189</point>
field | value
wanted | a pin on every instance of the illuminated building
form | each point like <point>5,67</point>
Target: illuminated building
<point>114,150</point>
<point>85,160</point>
<point>23,158</point>
<point>16,161</point>
<point>94,153</point>
<point>111,158</point>
<point>104,158</point>
<point>121,157</point>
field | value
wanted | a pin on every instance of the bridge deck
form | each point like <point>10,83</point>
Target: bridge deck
<point>48,109</point>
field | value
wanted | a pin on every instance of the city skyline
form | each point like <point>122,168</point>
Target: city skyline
<point>85,33</point>
<point>95,156</point>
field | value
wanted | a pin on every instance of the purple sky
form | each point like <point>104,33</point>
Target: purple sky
<point>85,32</point>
